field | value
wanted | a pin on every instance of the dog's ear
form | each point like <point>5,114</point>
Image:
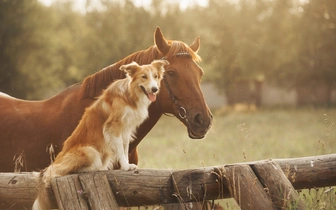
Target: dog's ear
<point>130,69</point>
<point>160,64</point>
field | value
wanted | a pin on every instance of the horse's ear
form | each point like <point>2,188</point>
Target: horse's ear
<point>196,44</point>
<point>130,69</point>
<point>160,42</point>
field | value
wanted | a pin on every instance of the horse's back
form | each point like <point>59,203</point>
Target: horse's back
<point>15,116</point>
<point>11,107</point>
<point>5,95</point>
<point>28,127</point>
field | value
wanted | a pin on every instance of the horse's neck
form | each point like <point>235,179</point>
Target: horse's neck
<point>94,85</point>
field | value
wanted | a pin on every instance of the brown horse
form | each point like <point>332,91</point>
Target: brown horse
<point>28,127</point>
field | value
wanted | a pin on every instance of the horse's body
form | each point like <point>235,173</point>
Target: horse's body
<point>28,127</point>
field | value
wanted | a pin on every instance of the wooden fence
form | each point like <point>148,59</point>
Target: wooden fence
<point>267,184</point>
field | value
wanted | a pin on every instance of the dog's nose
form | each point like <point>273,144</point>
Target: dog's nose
<point>154,89</point>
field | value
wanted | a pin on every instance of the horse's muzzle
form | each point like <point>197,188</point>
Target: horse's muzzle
<point>199,125</point>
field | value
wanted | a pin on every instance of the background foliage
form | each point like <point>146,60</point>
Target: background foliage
<point>43,49</point>
<point>287,42</point>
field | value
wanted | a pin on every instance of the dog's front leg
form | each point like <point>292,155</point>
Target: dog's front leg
<point>126,148</point>
<point>115,139</point>
<point>121,155</point>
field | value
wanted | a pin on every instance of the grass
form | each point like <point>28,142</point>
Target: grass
<point>241,136</point>
<point>246,136</point>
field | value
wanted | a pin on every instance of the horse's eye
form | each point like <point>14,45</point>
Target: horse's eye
<point>170,73</point>
<point>144,76</point>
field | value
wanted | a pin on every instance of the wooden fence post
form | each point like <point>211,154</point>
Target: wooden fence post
<point>191,188</point>
<point>98,191</point>
<point>245,188</point>
<point>18,190</point>
<point>282,192</point>
<point>68,193</point>
<point>89,191</point>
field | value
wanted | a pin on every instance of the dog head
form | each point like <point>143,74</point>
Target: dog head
<point>146,78</point>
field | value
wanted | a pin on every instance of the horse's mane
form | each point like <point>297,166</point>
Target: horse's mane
<point>93,85</point>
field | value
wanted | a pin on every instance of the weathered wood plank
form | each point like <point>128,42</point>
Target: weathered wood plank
<point>190,206</point>
<point>245,188</point>
<point>282,192</point>
<point>310,172</point>
<point>141,187</point>
<point>150,186</point>
<point>69,193</point>
<point>197,189</point>
<point>194,185</point>
<point>98,191</point>
<point>17,190</point>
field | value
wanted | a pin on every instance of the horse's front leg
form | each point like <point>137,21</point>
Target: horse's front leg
<point>133,156</point>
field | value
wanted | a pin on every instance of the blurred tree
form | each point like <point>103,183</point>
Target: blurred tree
<point>235,37</point>
<point>37,50</point>
<point>281,43</point>
<point>317,45</point>
<point>43,49</point>
<point>19,36</point>
<point>285,41</point>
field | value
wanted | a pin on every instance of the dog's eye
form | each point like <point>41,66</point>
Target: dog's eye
<point>144,76</point>
<point>156,76</point>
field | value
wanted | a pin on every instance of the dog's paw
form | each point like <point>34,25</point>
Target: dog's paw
<point>129,167</point>
<point>132,167</point>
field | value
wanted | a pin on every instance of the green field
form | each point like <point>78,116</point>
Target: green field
<point>243,136</point>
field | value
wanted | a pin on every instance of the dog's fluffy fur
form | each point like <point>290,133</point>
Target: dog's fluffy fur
<point>101,140</point>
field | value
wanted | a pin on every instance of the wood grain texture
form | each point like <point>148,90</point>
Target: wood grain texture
<point>151,186</point>
<point>281,191</point>
<point>97,190</point>
<point>246,189</point>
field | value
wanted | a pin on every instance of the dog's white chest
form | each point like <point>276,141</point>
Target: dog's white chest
<point>134,117</point>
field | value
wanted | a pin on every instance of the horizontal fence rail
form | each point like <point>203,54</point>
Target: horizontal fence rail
<point>153,186</point>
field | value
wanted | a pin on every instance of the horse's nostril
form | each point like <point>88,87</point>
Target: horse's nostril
<point>198,119</point>
<point>154,89</point>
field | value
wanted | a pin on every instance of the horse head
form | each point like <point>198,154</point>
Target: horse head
<point>181,93</point>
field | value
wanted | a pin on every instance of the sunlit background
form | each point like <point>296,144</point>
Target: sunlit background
<point>265,52</point>
<point>270,68</point>
<point>257,55</point>
<point>84,5</point>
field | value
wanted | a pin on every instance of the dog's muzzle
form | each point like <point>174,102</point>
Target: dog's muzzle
<point>150,95</point>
